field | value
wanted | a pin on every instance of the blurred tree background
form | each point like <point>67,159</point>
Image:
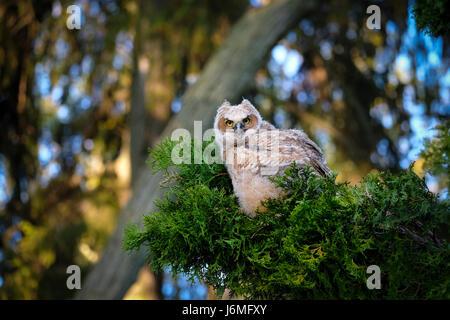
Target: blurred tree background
<point>79,108</point>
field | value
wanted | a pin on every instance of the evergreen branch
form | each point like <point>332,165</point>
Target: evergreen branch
<point>314,244</point>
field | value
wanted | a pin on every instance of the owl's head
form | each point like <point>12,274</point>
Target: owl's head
<point>235,122</point>
<point>238,119</point>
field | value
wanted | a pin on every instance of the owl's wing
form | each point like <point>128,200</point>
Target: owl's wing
<point>282,147</point>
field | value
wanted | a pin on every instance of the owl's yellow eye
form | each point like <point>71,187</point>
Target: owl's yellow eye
<point>246,121</point>
<point>229,123</point>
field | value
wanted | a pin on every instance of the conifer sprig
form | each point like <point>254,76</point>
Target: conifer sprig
<point>315,244</point>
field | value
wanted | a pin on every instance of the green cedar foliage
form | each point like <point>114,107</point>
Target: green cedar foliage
<point>433,16</point>
<point>315,244</point>
<point>437,153</point>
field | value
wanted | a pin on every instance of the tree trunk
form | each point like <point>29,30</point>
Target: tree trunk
<point>227,76</point>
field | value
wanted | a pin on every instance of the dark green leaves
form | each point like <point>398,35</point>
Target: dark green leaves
<point>315,244</point>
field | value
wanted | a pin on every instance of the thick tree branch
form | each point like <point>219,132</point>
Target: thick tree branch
<point>228,74</point>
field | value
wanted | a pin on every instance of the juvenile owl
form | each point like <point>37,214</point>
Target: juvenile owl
<point>253,150</point>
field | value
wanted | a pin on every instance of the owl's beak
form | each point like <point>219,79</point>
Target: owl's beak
<point>239,127</point>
